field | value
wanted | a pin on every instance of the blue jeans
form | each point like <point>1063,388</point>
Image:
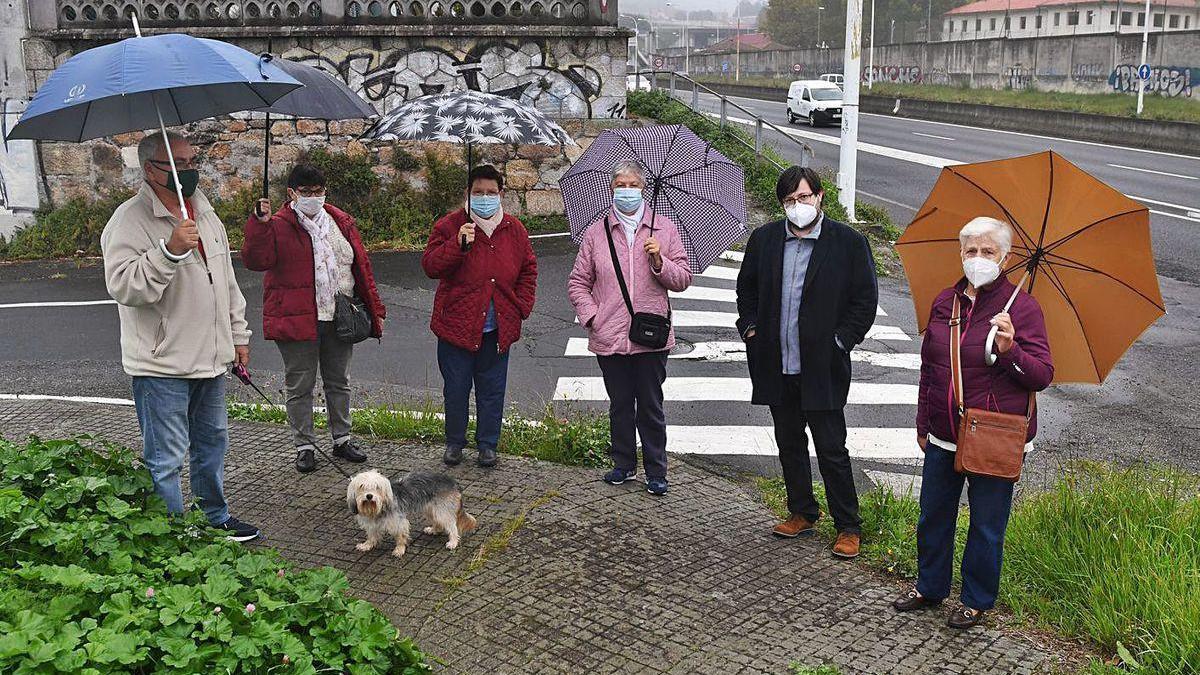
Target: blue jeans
<point>177,416</point>
<point>487,369</point>
<point>990,500</point>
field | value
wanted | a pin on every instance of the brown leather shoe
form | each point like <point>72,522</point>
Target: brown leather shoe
<point>846,546</point>
<point>793,527</point>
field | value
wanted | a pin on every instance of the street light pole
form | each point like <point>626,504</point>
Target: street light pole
<point>848,156</point>
<point>737,61</point>
<point>871,67</point>
<point>1145,41</point>
<point>687,47</point>
<point>820,8</point>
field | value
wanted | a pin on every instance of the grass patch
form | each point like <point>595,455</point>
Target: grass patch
<point>1180,109</point>
<point>95,577</point>
<point>1108,555</point>
<point>561,435</point>
<point>761,175</point>
<point>797,669</point>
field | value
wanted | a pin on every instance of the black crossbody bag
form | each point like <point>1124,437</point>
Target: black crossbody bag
<point>645,329</point>
<point>351,319</point>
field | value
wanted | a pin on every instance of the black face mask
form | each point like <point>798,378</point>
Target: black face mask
<point>188,179</point>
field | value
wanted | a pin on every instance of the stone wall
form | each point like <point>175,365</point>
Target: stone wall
<point>18,165</point>
<point>573,73</point>
<point>1080,64</point>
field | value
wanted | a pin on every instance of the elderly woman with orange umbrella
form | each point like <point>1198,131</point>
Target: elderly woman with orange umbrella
<point>988,345</point>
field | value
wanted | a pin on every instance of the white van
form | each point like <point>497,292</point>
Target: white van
<point>835,78</point>
<point>817,101</point>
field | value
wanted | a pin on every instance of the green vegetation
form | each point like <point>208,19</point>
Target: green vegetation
<point>797,669</point>
<point>391,213</point>
<point>95,577</point>
<point>561,435</point>
<point>1108,555</point>
<point>1180,109</point>
<point>761,175</point>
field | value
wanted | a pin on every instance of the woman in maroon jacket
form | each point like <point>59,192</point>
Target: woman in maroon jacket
<point>311,252</point>
<point>488,275</point>
<point>1023,366</point>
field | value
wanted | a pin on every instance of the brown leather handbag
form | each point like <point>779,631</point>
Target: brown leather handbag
<point>989,443</point>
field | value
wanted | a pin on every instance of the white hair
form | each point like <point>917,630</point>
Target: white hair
<point>152,143</point>
<point>629,167</point>
<point>984,227</point>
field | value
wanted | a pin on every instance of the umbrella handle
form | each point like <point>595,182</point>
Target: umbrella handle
<point>990,357</point>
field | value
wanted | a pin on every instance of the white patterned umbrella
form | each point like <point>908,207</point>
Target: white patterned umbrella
<point>468,117</point>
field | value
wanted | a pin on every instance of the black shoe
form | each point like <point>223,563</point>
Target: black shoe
<point>452,456</point>
<point>487,457</point>
<point>305,461</point>
<point>349,452</point>
<point>964,617</point>
<point>239,531</point>
<point>912,601</point>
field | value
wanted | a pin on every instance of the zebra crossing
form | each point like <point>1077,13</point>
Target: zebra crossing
<point>707,392</point>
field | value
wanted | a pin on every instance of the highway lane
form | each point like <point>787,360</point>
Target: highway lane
<point>899,161</point>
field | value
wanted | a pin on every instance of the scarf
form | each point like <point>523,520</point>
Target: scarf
<point>324,261</point>
<point>630,222</point>
<point>488,225</point>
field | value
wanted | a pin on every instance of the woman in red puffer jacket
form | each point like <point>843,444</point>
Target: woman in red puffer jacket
<point>311,251</point>
<point>488,275</point>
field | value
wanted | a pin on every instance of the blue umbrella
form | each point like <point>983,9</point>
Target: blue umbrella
<point>145,82</point>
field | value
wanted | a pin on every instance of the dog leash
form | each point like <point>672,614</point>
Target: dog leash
<point>242,374</point>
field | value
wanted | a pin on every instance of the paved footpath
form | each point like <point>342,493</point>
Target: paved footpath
<point>596,579</point>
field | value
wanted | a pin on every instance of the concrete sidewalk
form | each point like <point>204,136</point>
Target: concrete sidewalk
<point>594,579</point>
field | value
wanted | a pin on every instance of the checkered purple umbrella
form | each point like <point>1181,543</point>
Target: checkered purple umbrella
<point>699,189</point>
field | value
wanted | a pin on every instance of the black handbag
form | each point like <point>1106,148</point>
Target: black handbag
<point>351,319</point>
<point>645,329</point>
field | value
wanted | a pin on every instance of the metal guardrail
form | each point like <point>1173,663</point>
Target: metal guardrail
<point>806,151</point>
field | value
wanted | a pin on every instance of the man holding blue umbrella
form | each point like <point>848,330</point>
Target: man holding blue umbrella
<point>183,321</point>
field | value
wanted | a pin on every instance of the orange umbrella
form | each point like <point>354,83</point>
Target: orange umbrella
<point>1079,246</point>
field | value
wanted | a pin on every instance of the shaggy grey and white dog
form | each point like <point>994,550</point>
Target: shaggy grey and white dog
<point>381,506</point>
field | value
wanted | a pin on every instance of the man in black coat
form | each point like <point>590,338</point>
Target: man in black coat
<point>806,295</point>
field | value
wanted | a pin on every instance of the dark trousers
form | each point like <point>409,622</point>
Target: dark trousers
<point>635,404</point>
<point>990,501</point>
<point>487,369</point>
<point>828,429</point>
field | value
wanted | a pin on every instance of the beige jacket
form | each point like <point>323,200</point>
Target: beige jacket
<point>175,322</point>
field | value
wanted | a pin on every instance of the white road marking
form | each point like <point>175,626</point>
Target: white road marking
<point>901,484</point>
<point>879,332</point>
<point>1157,173</point>
<point>69,399</point>
<point>733,256</point>
<point>729,389</point>
<point>863,442</point>
<point>72,303</point>
<point>735,352</point>
<point>1176,215</point>
<point>706,293</point>
<point>940,138</point>
<point>893,153</point>
<point>885,200</point>
<point>689,318</point>
<point>721,272</point>
<point>549,235</point>
<point>1155,201</point>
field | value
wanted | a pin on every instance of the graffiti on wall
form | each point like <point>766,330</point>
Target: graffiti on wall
<point>1168,81</point>
<point>1019,78</point>
<point>937,76</point>
<point>560,85</point>
<point>897,74</point>
<point>1090,71</point>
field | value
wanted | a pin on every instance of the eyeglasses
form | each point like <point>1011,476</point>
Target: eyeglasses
<point>792,201</point>
<point>309,191</point>
<point>181,165</point>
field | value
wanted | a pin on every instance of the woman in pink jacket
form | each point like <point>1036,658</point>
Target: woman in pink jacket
<point>652,262</point>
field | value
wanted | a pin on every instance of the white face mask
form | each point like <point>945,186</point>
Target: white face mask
<point>801,215</point>
<point>310,206</point>
<point>981,271</point>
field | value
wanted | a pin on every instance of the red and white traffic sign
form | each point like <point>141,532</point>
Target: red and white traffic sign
<point>658,62</point>
<point>796,68</point>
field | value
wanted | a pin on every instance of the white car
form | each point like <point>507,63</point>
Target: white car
<point>835,78</point>
<point>631,83</point>
<point>817,101</point>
